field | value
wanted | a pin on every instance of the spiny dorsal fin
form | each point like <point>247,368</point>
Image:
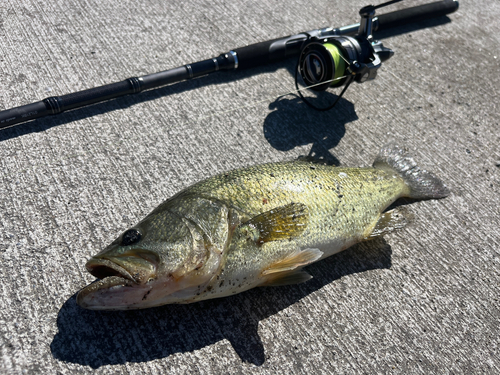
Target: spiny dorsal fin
<point>280,223</point>
<point>309,159</point>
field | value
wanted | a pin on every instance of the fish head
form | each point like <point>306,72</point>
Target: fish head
<point>164,259</point>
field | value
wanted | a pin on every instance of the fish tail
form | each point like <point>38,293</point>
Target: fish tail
<point>420,183</point>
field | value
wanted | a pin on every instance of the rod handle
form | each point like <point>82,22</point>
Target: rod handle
<point>263,53</point>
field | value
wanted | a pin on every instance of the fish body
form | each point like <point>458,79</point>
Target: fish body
<point>252,227</point>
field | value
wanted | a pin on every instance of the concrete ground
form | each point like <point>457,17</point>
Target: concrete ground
<point>424,299</point>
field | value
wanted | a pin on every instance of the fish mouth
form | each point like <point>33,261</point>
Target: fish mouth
<point>137,265</point>
<point>124,280</point>
<point>105,268</point>
<point>110,293</point>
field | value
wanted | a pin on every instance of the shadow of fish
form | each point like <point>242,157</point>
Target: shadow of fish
<point>252,227</point>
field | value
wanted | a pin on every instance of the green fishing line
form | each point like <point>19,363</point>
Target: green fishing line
<point>338,60</point>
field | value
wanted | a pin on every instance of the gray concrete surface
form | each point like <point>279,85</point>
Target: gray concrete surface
<point>423,300</point>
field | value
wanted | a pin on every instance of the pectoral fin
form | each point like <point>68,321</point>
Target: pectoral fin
<point>288,270</point>
<point>280,223</point>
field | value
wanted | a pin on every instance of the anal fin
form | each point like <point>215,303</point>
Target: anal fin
<point>390,221</point>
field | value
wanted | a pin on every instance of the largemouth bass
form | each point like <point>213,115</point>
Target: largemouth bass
<point>250,227</point>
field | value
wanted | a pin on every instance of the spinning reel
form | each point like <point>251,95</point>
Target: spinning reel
<point>335,61</point>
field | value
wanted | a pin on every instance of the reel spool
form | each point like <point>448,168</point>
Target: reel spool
<point>322,62</point>
<point>339,60</point>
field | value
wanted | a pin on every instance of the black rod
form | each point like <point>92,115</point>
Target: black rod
<point>241,58</point>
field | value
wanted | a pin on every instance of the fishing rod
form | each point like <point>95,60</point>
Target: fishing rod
<point>328,57</point>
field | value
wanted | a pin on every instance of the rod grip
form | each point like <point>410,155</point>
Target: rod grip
<point>93,95</point>
<point>416,14</point>
<point>57,104</point>
<point>262,53</point>
<point>23,113</point>
<point>254,55</point>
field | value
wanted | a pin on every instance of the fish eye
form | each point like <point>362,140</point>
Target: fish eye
<point>131,237</point>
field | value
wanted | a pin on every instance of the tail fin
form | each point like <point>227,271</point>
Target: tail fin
<point>421,184</point>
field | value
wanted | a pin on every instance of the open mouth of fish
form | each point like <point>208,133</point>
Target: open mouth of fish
<point>120,279</point>
<point>105,268</point>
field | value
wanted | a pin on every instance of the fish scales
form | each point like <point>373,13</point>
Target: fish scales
<point>336,197</point>
<point>252,227</point>
<point>344,205</point>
